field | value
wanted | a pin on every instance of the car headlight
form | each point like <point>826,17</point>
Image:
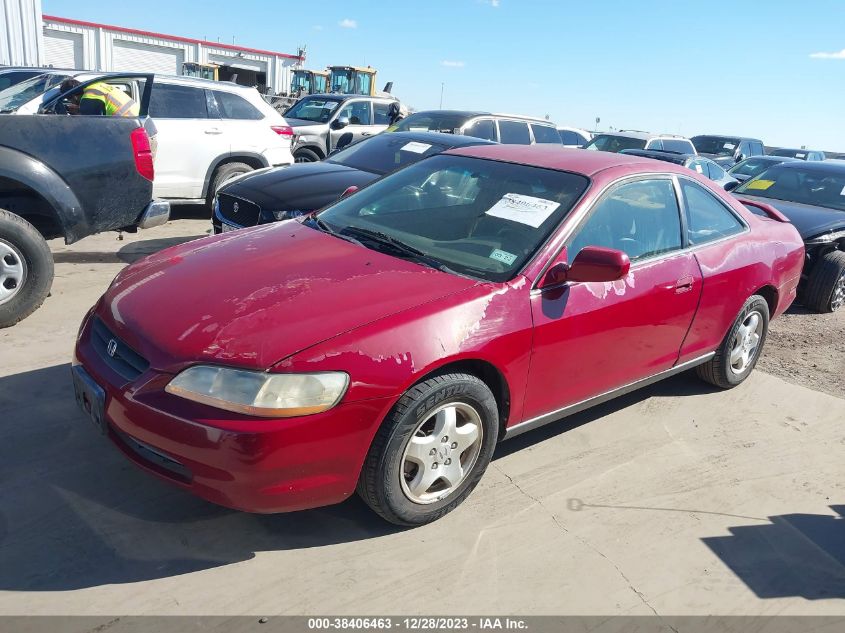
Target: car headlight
<point>259,393</point>
<point>289,214</point>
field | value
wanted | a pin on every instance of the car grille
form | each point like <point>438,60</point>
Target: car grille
<point>125,361</point>
<point>238,211</point>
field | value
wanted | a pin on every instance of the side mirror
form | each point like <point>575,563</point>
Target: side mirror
<point>340,123</point>
<point>593,263</point>
<point>731,185</point>
<point>740,157</point>
<point>348,192</point>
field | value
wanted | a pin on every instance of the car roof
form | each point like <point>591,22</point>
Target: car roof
<point>474,113</point>
<point>730,136</point>
<point>789,149</point>
<point>640,135</point>
<point>555,157</point>
<point>342,96</point>
<point>450,140</point>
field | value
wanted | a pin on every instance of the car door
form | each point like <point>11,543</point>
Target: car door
<point>190,139</point>
<point>359,113</point>
<point>592,338</point>
<point>711,226</point>
<point>481,128</point>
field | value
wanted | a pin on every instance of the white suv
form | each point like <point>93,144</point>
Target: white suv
<point>634,139</point>
<point>208,132</point>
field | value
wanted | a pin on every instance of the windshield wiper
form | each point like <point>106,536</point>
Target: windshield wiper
<point>397,246</point>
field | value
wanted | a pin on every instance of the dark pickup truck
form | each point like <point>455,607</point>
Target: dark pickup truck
<point>68,176</point>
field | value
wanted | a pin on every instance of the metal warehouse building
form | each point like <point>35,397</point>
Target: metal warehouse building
<point>69,43</point>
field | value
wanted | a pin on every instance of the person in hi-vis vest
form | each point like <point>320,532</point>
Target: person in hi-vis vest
<point>101,98</point>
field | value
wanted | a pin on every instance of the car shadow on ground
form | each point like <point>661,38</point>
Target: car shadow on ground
<point>795,555</point>
<point>130,253</point>
<point>75,514</point>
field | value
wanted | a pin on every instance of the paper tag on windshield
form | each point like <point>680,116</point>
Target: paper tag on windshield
<point>800,155</point>
<point>523,209</point>
<point>417,148</point>
<point>699,169</point>
<point>842,193</point>
<point>729,146</point>
<point>330,105</point>
<point>760,184</point>
<point>503,256</point>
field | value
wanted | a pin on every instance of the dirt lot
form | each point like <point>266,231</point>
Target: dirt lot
<point>808,349</point>
<point>677,499</point>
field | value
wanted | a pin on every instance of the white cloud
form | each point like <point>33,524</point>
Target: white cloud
<point>492,3</point>
<point>348,24</point>
<point>452,64</point>
<point>839,55</point>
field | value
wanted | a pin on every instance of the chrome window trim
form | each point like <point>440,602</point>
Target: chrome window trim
<point>571,409</point>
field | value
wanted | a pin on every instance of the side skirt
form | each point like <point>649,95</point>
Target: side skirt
<point>546,418</point>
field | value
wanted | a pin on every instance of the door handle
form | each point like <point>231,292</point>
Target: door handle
<point>213,130</point>
<point>684,284</point>
<point>366,133</point>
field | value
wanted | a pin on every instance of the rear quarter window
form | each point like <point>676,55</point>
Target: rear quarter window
<point>545,134</point>
<point>514,133</point>
<point>177,102</point>
<point>234,106</point>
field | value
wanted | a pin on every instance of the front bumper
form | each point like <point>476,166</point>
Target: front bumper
<point>156,213</point>
<point>250,464</point>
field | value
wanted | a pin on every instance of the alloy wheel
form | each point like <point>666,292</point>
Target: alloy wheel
<point>441,452</point>
<point>746,342</point>
<point>837,298</point>
<point>12,271</point>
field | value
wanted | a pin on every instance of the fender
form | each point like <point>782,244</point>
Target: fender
<point>227,157</point>
<point>34,174</point>
<point>314,147</point>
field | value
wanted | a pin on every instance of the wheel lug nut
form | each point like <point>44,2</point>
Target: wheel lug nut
<point>444,439</point>
<point>447,462</point>
<point>454,445</point>
<point>433,451</point>
<point>434,466</point>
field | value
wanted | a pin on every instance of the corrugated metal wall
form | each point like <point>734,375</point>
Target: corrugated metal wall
<point>20,33</point>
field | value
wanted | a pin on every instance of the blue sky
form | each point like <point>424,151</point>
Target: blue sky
<point>773,70</point>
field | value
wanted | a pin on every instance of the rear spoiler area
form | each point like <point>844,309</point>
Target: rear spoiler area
<point>763,209</point>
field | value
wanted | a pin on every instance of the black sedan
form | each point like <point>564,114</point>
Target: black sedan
<point>280,193</point>
<point>812,196</point>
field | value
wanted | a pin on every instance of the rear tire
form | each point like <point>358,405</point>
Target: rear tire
<point>223,174</point>
<point>26,269</point>
<point>306,155</point>
<point>739,351</point>
<point>431,450</point>
<point>825,290</point>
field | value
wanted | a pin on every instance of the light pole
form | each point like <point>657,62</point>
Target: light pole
<point>442,85</point>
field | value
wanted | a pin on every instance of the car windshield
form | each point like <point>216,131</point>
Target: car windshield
<point>614,143</point>
<point>15,96</point>
<point>431,122</point>
<point>718,145</point>
<point>385,152</point>
<point>309,109</point>
<point>751,167</point>
<point>818,187</point>
<point>479,218</point>
<point>790,153</point>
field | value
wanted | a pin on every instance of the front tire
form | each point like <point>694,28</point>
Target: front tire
<point>741,348</point>
<point>431,450</point>
<point>26,269</point>
<point>306,155</point>
<point>223,175</point>
<point>826,287</point>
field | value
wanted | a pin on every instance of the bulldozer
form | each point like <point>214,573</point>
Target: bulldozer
<point>309,82</point>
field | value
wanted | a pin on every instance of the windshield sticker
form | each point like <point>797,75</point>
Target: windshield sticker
<point>523,209</point>
<point>729,146</point>
<point>417,148</point>
<point>842,193</point>
<point>699,168</point>
<point>760,184</point>
<point>800,155</point>
<point>330,105</point>
<point>503,256</point>
<point>417,128</point>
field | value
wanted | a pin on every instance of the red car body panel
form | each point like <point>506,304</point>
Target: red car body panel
<point>288,298</point>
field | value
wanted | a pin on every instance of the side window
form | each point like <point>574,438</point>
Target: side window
<point>745,149</point>
<point>233,106</point>
<point>707,218</point>
<point>381,112</point>
<point>697,166</point>
<point>655,143</point>
<point>757,148</point>
<point>358,113</point>
<point>483,128</point>
<point>569,138</point>
<point>514,132</point>
<point>545,134</point>
<point>177,102</point>
<point>716,172</point>
<point>639,218</point>
<point>678,145</point>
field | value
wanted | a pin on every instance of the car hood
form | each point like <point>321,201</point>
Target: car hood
<point>253,297</point>
<point>810,220</point>
<point>302,186</point>
<point>303,123</point>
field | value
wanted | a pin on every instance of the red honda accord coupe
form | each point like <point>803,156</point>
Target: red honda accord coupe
<point>388,342</point>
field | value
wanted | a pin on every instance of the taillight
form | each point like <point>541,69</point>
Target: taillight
<point>282,130</point>
<point>143,153</point>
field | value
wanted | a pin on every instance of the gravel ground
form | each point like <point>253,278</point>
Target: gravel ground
<point>807,349</point>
